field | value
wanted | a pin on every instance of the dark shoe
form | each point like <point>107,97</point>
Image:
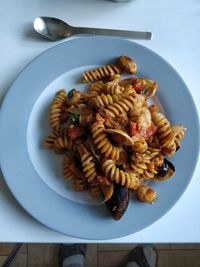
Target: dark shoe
<point>69,250</point>
<point>137,255</point>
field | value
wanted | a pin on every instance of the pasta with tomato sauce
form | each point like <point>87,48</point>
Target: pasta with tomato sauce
<point>110,137</point>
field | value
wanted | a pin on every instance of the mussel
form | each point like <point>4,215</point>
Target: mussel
<point>120,136</point>
<point>165,171</point>
<point>118,203</point>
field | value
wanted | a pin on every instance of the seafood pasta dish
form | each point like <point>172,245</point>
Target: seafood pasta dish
<point>113,142</point>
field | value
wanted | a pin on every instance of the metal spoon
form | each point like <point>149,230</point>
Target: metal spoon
<point>56,29</point>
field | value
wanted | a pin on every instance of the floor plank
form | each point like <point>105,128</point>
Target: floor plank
<point>103,255</point>
<point>185,246</point>
<point>20,260</point>
<point>91,255</point>
<point>2,260</point>
<point>129,246</point>
<point>45,255</point>
<point>110,258</point>
<point>116,247</point>
<point>6,248</point>
<point>179,258</point>
<point>162,246</point>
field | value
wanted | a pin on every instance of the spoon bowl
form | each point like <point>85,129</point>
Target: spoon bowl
<point>52,28</point>
<point>56,29</point>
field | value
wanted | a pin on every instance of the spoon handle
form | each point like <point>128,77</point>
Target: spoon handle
<point>110,32</point>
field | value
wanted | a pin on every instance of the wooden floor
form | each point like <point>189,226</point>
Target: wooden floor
<point>102,255</point>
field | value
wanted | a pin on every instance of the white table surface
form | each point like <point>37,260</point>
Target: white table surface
<point>176,28</point>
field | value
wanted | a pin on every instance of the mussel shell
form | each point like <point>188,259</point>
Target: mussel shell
<point>171,166</point>
<point>165,171</point>
<point>119,201</point>
<point>122,135</point>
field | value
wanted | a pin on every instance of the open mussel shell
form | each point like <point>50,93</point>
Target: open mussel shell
<point>120,136</point>
<point>119,201</point>
<point>165,171</point>
<point>107,191</point>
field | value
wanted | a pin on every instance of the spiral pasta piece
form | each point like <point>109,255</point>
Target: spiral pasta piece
<point>163,125</point>
<point>140,145</point>
<point>80,184</point>
<point>86,119</point>
<point>102,100</point>
<point>95,191</point>
<point>89,168</point>
<point>119,176</point>
<point>178,132</point>
<point>68,172</point>
<point>96,88</point>
<point>100,73</point>
<point>139,163</point>
<point>113,88</point>
<point>50,139</point>
<point>125,103</point>
<point>101,140</point>
<point>146,164</point>
<point>56,109</point>
<point>139,167</point>
<point>61,97</point>
<point>115,78</point>
<point>164,133</point>
<point>147,171</point>
<point>62,143</point>
<point>128,89</point>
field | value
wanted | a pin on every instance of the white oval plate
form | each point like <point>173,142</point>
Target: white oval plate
<point>34,174</point>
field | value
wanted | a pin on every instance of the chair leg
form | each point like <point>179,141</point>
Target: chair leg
<point>9,260</point>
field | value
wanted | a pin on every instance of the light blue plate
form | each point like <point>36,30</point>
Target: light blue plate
<point>34,175</point>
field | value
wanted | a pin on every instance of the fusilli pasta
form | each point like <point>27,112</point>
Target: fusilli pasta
<point>88,164</point>
<point>101,140</point>
<point>112,140</point>
<point>113,88</point>
<point>100,73</point>
<point>119,176</point>
<point>57,108</point>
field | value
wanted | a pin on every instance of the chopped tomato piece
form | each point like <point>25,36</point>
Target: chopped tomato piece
<point>133,128</point>
<point>147,133</point>
<point>74,132</point>
<point>138,88</point>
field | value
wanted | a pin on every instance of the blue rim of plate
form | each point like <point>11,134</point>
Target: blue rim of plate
<point>66,216</point>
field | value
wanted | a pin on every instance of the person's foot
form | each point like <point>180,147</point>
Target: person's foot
<point>142,256</point>
<point>72,255</point>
